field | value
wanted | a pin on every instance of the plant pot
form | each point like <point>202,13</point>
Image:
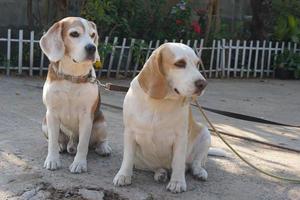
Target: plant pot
<point>283,73</point>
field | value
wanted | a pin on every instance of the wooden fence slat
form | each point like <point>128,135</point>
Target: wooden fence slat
<point>243,59</point>
<point>31,52</point>
<point>41,63</point>
<point>20,57</point>
<point>103,59</point>
<point>201,47</point>
<point>218,64</point>
<point>236,57</point>
<point>295,47</point>
<point>8,53</point>
<point>223,60</point>
<point>276,50</point>
<point>120,58</point>
<point>188,42</point>
<point>149,50</point>
<point>229,59</point>
<point>269,59</point>
<point>249,59</point>
<point>111,60</point>
<point>256,58</point>
<point>138,59</point>
<point>262,59</point>
<point>282,47</point>
<point>129,56</point>
<point>212,58</point>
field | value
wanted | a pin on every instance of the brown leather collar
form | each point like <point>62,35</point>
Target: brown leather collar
<point>74,79</point>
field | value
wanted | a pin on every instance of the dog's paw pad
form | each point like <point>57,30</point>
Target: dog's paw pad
<point>161,175</point>
<point>176,186</point>
<point>103,149</point>
<point>52,163</point>
<point>78,166</point>
<point>122,180</point>
<point>199,173</point>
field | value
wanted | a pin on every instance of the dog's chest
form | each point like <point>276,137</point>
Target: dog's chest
<point>70,101</point>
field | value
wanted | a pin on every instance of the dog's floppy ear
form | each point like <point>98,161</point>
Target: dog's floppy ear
<point>96,39</point>
<point>152,77</point>
<point>52,43</point>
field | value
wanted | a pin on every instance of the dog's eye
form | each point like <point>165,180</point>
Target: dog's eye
<point>180,64</point>
<point>74,34</point>
<point>93,35</point>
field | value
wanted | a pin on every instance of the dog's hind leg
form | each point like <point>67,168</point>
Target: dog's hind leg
<point>198,154</point>
<point>99,136</point>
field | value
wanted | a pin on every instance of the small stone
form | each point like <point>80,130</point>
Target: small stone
<point>28,195</point>
<point>91,194</point>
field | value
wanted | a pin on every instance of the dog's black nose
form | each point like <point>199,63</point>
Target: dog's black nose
<point>200,84</point>
<point>90,49</point>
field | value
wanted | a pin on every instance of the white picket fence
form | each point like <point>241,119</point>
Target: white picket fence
<point>223,58</point>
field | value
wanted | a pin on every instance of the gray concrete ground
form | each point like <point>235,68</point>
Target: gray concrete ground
<point>23,147</point>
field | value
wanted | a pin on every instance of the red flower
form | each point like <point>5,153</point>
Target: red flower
<point>196,27</point>
<point>179,21</point>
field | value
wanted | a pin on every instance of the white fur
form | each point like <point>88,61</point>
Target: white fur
<point>156,131</point>
<point>69,116</point>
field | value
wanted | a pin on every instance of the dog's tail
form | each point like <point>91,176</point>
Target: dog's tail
<point>217,152</point>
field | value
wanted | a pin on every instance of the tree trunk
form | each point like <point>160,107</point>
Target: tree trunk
<point>261,18</point>
<point>29,14</point>
<point>213,18</point>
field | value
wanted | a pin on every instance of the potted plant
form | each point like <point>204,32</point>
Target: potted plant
<point>287,65</point>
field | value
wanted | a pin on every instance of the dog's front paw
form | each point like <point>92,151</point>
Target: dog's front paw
<point>176,186</point>
<point>78,166</point>
<point>52,162</point>
<point>122,180</point>
<point>103,149</point>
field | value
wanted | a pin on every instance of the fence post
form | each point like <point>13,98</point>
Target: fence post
<point>103,59</point>
<point>8,53</point>
<point>269,59</point>
<point>262,65</point>
<point>229,59</point>
<point>256,58</point>
<point>236,57</point>
<point>129,56</point>
<point>121,57</point>
<point>20,57</point>
<point>149,49</point>
<point>138,59</point>
<point>223,60</point>
<point>295,47</point>
<point>243,59</point>
<point>111,60</point>
<point>219,59</point>
<point>249,59</point>
<point>31,53</point>
<point>212,58</point>
<point>42,63</point>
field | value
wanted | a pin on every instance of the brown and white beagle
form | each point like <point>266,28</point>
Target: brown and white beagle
<point>73,120</point>
<point>160,132</point>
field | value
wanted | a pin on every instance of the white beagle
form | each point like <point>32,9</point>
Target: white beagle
<point>160,132</point>
<point>69,94</point>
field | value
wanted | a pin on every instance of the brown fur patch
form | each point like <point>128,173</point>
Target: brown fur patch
<point>67,24</point>
<point>96,106</point>
<point>152,77</point>
<point>99,117</point>
<point>52,76</point>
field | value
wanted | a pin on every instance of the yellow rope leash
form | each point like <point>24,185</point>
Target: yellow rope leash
<point>239,155</point>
